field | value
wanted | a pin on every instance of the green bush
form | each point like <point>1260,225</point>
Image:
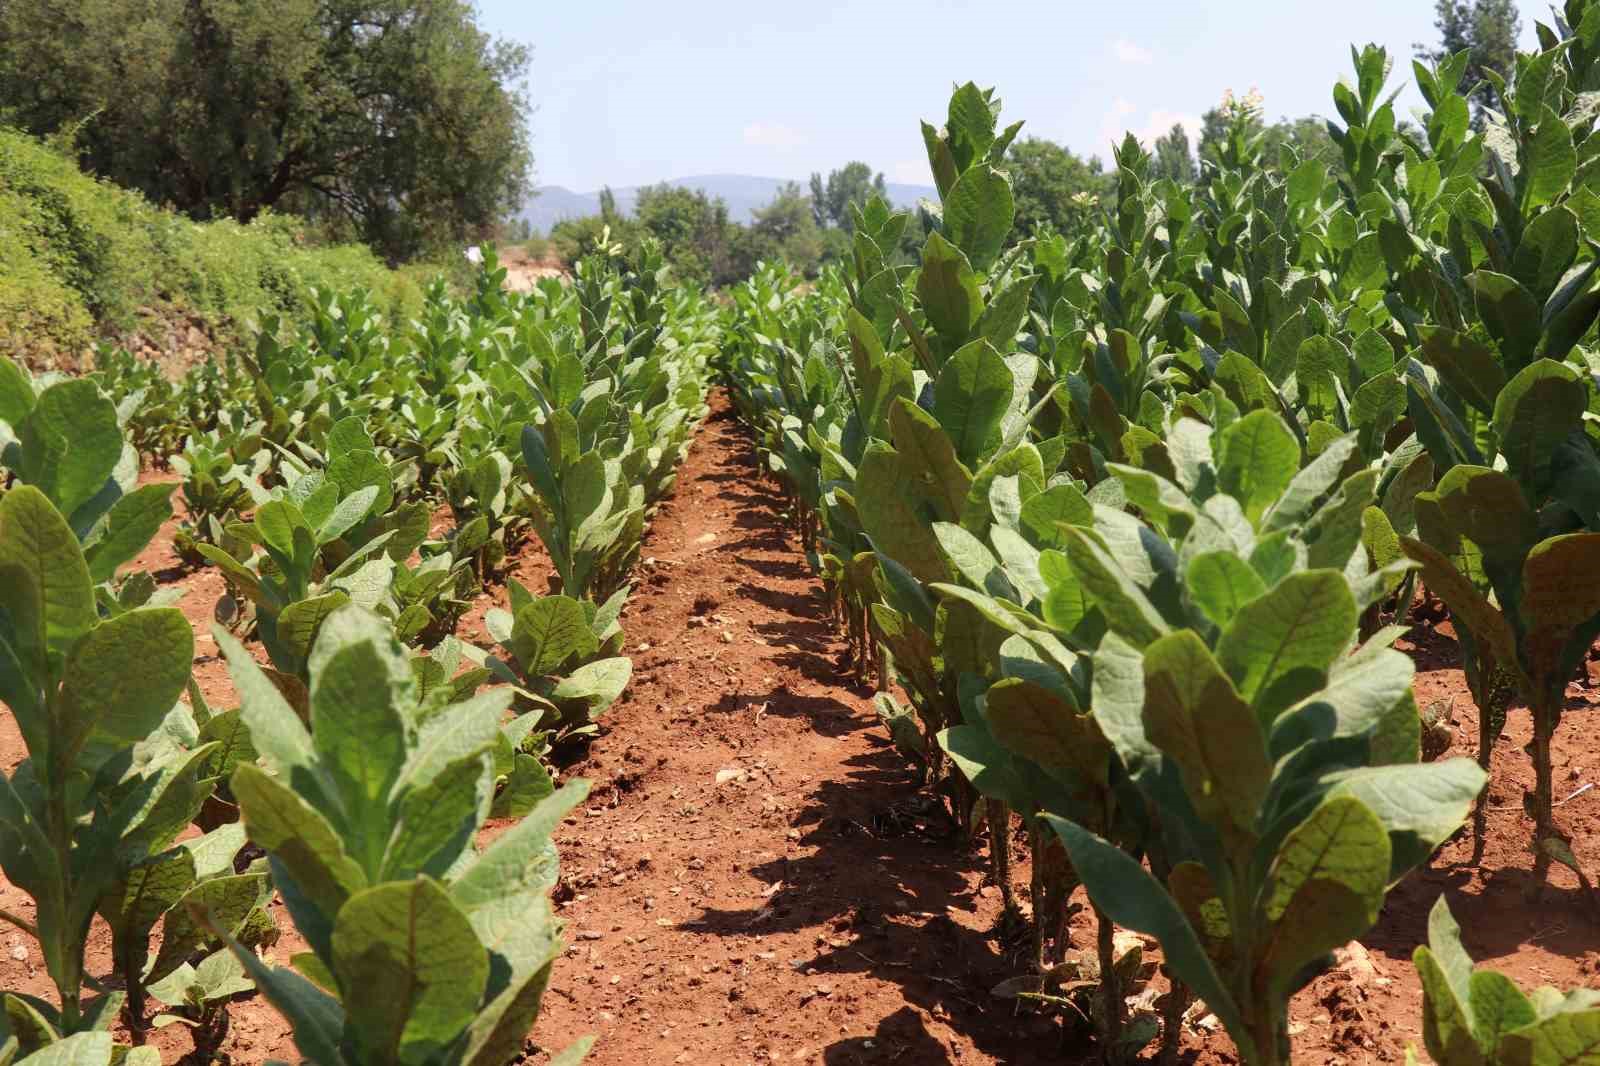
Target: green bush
<point>81,259</point>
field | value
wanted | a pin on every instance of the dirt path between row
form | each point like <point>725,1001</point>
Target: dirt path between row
<point>752,881</point>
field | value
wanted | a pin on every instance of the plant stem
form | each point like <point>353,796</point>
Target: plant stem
<point>1544,728</point>
<point>1172,1011</point>
<point>20,922</point>
<point>1036,832</point>
<point>70,980</point>
<point>1000,850</point>
<point>1110,992</point>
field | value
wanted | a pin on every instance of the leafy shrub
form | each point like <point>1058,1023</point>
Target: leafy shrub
<point>81,258</point>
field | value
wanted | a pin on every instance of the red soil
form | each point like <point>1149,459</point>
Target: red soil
<point>757,878</point>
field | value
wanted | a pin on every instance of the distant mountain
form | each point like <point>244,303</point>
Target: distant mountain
<point>743,193</point>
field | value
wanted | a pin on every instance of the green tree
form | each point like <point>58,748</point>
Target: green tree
<point>1052,185</point>
<point>852,183</point>
<point>785,229</point>
<point>1173,158</point>
<point>399,120</point>
<point>1308,136</point>
<point>1488,29</point>
<point>693,229</point>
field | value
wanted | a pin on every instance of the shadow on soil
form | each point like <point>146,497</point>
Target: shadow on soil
<point>888,871</point>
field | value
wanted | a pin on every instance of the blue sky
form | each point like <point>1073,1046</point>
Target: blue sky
<point>628,92</point>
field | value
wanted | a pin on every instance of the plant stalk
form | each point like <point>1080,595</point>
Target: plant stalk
<point>1111,1006</point>
<point>1544,822</point>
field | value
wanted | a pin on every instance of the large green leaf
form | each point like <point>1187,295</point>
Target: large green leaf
<point>16,393</point>
<point>551,631</point>
<point>1500,1009</point>
<point>44,582</point>
<point>1560,593</point>
<point>298,623</point>
<point>1257,458</point>
<point>1448,1027</point>
<point>523,938</point>
<point>361,688</point>
<point>71,443</point>
<point>1310,485</point>
<point>130,524</point>
<point>1568,1035</point>
<point>119,682</point>
<point>1195,716</point>
<point>939,477</point>
<point>1278,648</point>
<point>1489,508</point>
<point>1468,367</point>
<point>1549,244</point>
<point>1549,161</point>
<point>971,398</point>
<point>1510,312</point>
<point>596,685</point>
<point>1327,886</point>
<point>1128,611</point>
<point>1467,604</point>
<point>948,290</point>
<point>411,970</point>
<point>978,213</point>
<point>298,837</point>
<point>1220,584</point>
<point>1038,724</point>
<point>1419,805</point>
<point>887,504</point>
<point>1535,412</point>
<point>92,1048</point>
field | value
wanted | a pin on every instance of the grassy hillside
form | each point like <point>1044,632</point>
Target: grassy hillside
<point>83,260</point>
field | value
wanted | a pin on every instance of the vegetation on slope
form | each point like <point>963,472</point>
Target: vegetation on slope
<point>81,259</point>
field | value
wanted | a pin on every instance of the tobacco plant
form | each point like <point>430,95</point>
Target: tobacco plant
<point>1278,769</point>
<point>561,656</point>
<point>1502,538</point>
<point>422,948</point>
<point>165,884</point>
<point>65,439</point>
<point>215,489</point>
<point>87,803</point>
<point>287,581</point>
<point>587,514</point>
<point>1481,1018</point>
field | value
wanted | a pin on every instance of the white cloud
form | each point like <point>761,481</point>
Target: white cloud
<point>1125,51</point>
<point>773,135</point>
<point>1125,117</point>
<point>1160,123</point>
<point>1114,122</point>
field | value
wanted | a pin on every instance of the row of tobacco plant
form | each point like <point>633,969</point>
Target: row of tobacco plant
<point>1134,516</point>
<point>356,484</point>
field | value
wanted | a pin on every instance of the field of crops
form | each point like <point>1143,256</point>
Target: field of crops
<point>1170,639</point>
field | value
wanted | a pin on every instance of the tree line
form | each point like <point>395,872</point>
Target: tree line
<point>399,123</point>
<point>402,124</point>
<point>1056,190</point>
